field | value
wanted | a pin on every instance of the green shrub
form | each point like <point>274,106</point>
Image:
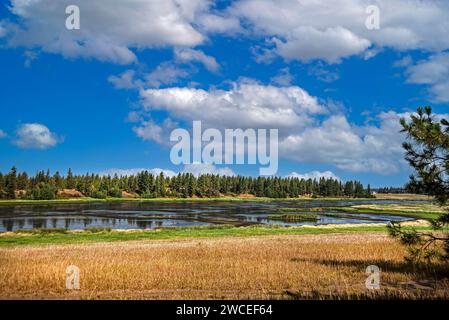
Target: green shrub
<point>99,194</point>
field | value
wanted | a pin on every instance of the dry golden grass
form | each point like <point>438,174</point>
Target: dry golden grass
<point>402,196</point>
<point>279,267</point>
<point>400,208</point>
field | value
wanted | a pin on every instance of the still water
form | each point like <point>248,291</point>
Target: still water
<point>149,215</point>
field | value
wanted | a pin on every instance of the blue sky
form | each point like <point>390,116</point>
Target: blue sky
<point>106,97</point>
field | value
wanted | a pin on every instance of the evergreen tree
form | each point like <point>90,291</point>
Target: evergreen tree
<point>146,185</point>
<point>22,181</point>
<point>427,152</point>
<point>11,184</point>
<point>70,180</point>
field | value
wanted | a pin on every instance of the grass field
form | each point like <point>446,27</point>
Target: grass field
<point>62,236</point>
<point>319,266</point>
<point>419,211</point>
<point>402,196</point>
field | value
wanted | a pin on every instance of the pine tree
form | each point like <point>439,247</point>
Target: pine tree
<point>22,181</point>
<point>427,152</point>
<point>70,180</point>
<point>11,184</point>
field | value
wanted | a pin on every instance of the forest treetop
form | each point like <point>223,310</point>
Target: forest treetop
<point>46,186</point>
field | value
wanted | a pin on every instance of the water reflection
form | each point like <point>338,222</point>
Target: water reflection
<point>149,215</point>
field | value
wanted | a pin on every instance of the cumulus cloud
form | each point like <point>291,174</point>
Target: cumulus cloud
<point>165,74</point>
<point>245,105</point>
<point>303,137</point>
<point>203,168</point>
<point>219,23</point>
<point>307,43</point>
<point>284,77</point>
<point>314,175</point>
<point>403,62</point>
<point>150,131</point>
<point>108,31</point>
<point>371,148</point>
<point>433,72</point>
<point>35,136</point>
<point>30,56</point>
<point>187,55</point>
<point>2,134</point>
<point>309,131</point>
<point>322,73</point>
<point>125,80</point>
<point>298,29</point>
<point>332,30</point>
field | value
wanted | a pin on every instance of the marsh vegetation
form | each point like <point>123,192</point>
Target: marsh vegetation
<point>318,266</point>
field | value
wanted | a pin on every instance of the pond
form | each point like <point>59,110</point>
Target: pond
<point>149,215</point>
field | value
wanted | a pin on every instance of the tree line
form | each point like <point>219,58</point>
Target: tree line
<point>46,186</point>
<point>395,190</point>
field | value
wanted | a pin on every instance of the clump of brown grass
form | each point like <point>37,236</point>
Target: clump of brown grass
<point>281,267</point>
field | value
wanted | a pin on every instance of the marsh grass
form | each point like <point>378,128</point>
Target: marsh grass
<point>421,211</point>
<point>301,209</point>
<point>312,266</point>
<point>42,231</point>
<point>97,229</point>
<point>294,217</point>
<point>62,236</point>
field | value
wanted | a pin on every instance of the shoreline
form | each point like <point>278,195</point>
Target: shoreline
<point>57,236</point>
<point>380,197</point>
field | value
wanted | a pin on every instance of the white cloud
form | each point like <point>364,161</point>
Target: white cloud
<point>151,131</point>
<point>403,62</point>
<point>246,105</point>
<point>108,31</point>
<point>215,23</point>
<point>332,30</point>
<point>322,73</point>
<point>298,29</point>
<point>433,72</point>
<point>308,131</point>
<point>125,80</point>
<point>35,136</point>
<point>187,55</point>
<point>349,147</point>
<point>30,56</point>
<point>307,43</point>
<point>134,116</point>
<point>166,73</point>
<point>314,175</point>
<point>203,168</point>
<point>284,78</point>
<point>2,134</point>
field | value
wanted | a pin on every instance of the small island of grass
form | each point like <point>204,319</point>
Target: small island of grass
<point>294,217</point>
